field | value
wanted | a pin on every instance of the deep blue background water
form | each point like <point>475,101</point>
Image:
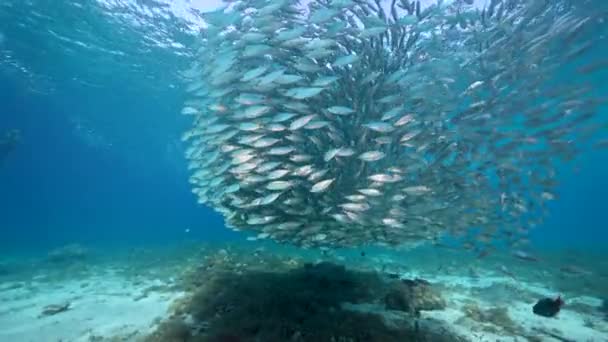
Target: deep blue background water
<point>65,184</point>
<point>56,188</point>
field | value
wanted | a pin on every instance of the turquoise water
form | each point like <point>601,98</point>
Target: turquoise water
<point>96,88</point>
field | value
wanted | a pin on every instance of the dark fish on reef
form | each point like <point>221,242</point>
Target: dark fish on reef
<point>353,123</point>
<point>548,307</point>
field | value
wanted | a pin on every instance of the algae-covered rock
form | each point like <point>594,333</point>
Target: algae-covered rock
<point>173,330</point>
<point>414,296</point>
<point>295,305</point>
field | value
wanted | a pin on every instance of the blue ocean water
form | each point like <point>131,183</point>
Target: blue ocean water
<point>95,89</point>
<point>59,187</point>
<point>101,160</point>
<point>98,163</point>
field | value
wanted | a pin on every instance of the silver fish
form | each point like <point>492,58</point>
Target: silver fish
<point>322,185</point>
<point>340,110</point>
<point>371,156</point>
<point>303,93</point>
<point>301,122</point>
<point>379,126</point>
<point>279,185</point>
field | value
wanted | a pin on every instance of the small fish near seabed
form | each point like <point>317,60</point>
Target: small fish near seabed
<point>54,309</point>
<point>548,307</point>
<point>525,256</point>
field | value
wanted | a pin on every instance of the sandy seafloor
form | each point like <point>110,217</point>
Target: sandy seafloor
<point>123,297</point>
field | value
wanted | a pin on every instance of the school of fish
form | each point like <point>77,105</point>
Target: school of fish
<point>355,122</point>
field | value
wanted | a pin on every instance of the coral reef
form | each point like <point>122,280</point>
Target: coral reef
<point>277,305</point>
<point>270,298</point>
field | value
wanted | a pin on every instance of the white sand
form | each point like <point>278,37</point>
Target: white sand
<point>108,306</point>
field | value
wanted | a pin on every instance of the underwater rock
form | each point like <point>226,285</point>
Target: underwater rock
<point>548,307</point>
<point>54,309</point>
<point>413,296</point>
<point>67,254</point>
